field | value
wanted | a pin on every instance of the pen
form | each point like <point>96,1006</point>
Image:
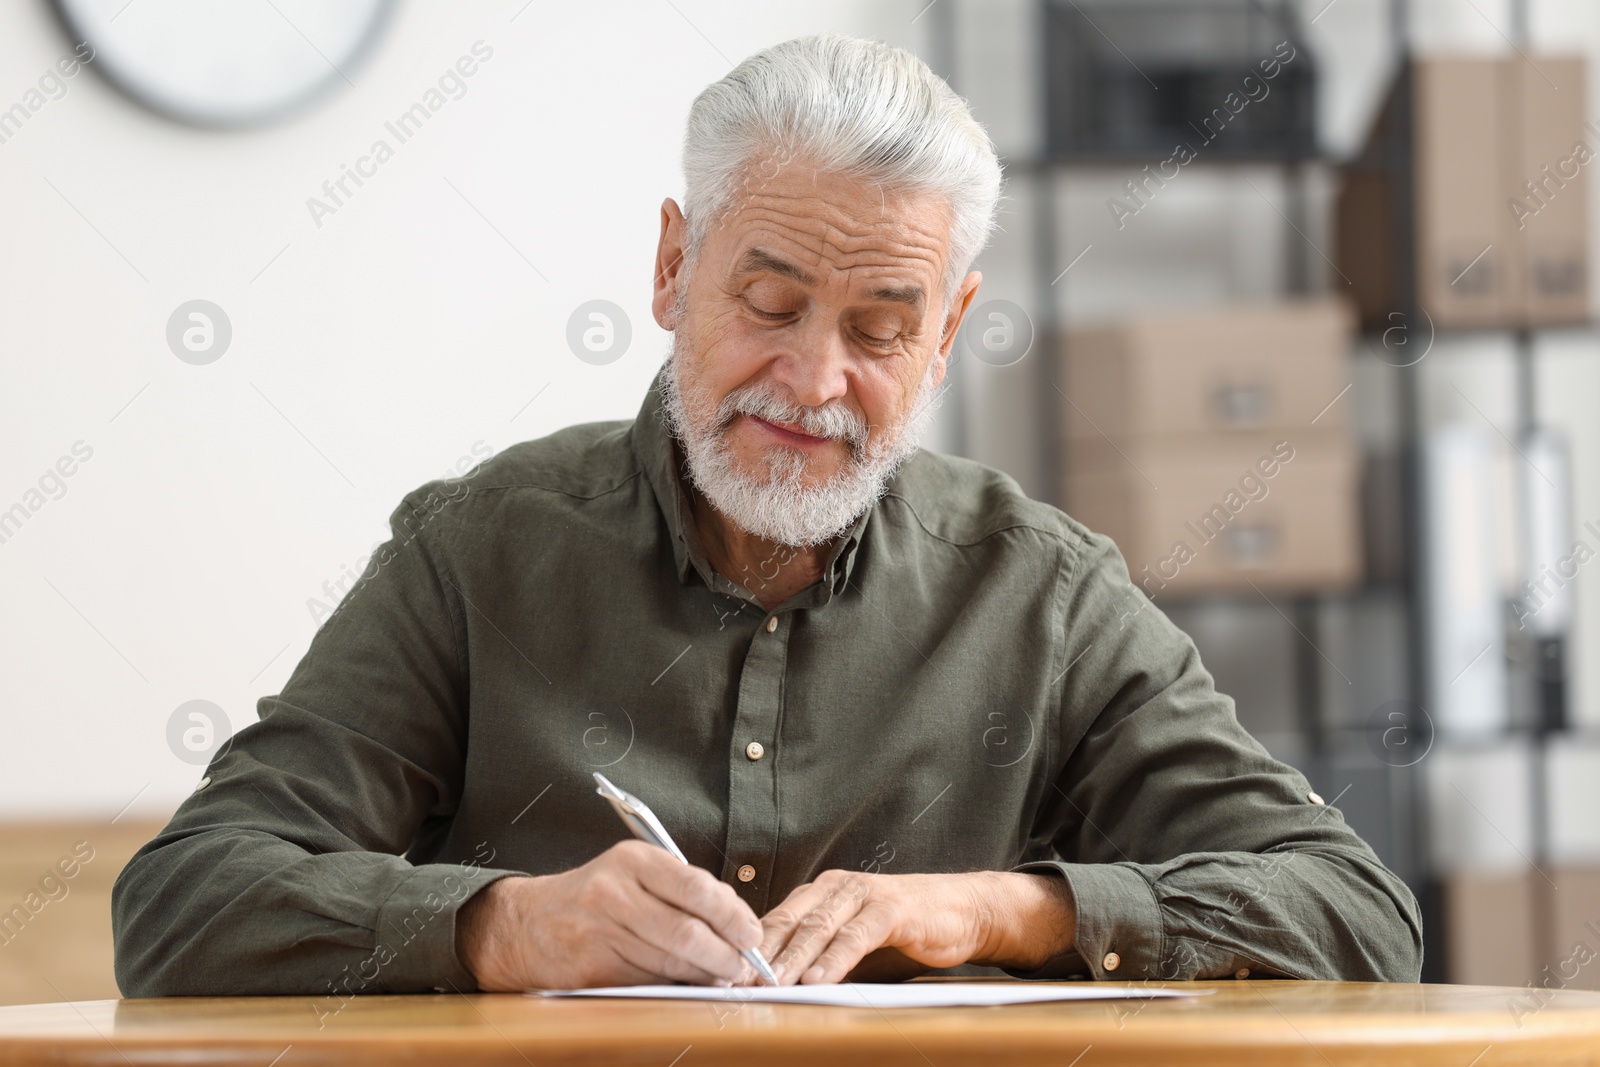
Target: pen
<point>645,826</point>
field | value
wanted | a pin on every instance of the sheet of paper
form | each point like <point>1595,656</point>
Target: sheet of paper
<point>889,995</point>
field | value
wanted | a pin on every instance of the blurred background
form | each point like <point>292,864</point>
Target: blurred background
<point>1292,299</point>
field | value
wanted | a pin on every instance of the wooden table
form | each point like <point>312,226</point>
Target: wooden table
<point>1321,1023</point>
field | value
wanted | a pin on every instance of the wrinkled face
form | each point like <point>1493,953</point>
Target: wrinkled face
<point>808,345</point>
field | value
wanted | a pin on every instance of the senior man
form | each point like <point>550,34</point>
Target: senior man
<point>899,716</point>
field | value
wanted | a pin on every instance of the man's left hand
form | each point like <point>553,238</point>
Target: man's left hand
<point>884,927</point>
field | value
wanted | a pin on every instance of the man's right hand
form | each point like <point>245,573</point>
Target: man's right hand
<point>633,915</point>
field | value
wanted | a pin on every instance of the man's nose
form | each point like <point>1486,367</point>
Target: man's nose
<point>813,368</point>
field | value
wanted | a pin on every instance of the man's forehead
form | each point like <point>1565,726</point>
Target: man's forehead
<point>895,242</point>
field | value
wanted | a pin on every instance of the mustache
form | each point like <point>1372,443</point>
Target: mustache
<point>833,420</point>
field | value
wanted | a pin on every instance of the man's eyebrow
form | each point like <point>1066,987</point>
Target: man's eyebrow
<point>759,259</point>
<point>900,294</point>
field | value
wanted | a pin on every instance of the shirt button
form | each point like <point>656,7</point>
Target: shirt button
<point>202,783</point>
<point>754,750</point>
<point>772,623</point>
<point>1111,962</point>
<point>1242,973</point>
<point>1315,797</point>
<point>747,873</point>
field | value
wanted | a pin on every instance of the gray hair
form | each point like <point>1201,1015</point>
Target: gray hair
<point>851,106</point>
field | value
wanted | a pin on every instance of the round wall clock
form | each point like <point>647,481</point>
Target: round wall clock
<point>224,62</point>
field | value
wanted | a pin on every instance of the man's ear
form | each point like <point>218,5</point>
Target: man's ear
<point>669,264</point>
<point>952,322</point>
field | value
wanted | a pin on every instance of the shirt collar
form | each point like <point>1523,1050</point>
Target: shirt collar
<point>667,472</point>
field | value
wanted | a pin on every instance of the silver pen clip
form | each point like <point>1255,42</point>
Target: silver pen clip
<point>640,819</point>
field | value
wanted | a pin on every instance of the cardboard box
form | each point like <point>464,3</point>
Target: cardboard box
<point>1211,513</point>
<point>1497,195</point>
<point>1464,246</point>
<point>1512,928</point>
<point>1547,202</point>
<point>1572,951</point>
<point>1229,370</point>
<point>1366,217</point>
<point>1491,936</point>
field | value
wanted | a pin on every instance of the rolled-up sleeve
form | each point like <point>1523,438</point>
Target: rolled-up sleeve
<point>1190,851</point>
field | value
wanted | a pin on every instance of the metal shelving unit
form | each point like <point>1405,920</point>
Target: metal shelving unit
<point>1325,743</point>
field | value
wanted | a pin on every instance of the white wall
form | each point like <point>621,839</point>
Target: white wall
<point>374,352</point>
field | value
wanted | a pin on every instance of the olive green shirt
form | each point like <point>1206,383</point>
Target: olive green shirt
<point>974,684</point>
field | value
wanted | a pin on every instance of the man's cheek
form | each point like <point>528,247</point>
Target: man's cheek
<point>734,348</point>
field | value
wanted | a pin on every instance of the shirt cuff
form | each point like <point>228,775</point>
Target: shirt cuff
<point>415,946</point>
<point>1120,931</point>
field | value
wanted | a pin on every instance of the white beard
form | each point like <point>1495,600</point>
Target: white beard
<point>778,504</point>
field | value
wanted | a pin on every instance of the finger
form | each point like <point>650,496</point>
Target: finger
<point>679,945</point>
<point>695,891</point>
<point>850,945</point>
<point>816,930</point>
<point>779,924</point>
